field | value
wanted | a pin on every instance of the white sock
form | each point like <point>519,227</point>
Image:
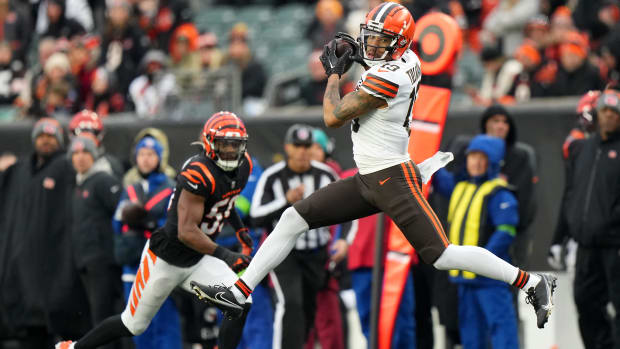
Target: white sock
<point>477,260</point>
<point>532,282</point>
<point>274,249</point>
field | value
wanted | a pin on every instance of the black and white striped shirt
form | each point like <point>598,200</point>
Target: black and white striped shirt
<point>269,200</point>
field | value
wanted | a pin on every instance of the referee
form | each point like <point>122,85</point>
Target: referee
<point>302,274</point>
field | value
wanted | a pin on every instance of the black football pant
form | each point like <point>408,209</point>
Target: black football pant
<point>597,282</point>
<point>102,283</point>
<point>296,282</point>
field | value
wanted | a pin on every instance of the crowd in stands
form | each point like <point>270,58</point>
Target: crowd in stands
<point>60,56</point>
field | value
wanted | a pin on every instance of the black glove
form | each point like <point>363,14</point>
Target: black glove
<point>236,261</point>
<point>356,55</point>
<point>332,63</point>
<point>245,240</point>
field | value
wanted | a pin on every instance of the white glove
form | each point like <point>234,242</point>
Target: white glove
<point>434,163</point>
<point>555,257</point>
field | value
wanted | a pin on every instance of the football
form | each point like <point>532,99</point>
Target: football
<point>341,48</point>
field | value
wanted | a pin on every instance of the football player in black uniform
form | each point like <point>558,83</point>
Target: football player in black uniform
<point>184,248</point>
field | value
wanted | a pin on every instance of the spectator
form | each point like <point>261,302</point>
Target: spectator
<point>529,83</point>
<point>575,74</point>
<point>211,56</point>
<point>150,90</point>
<point>82,58</point>
<point>506,21</point>
<point>53,20</point>
<point>327,23</point>
<point>537,31</point>
<point>518,168</point>
<point>561,25</point>
<point>596,17</point>
<point>142,209</point>
<point>159,19</point>
<point>590,215</point>
<point>133,175</point>
<point>54,90</point>
<point>87,121</point>
<point>483,212</point>
<point>95,199</point>
<point>610,54</point>
<point>185,58</point>
<point>104,96</point>
<point>37,251</point>
<point>499,75</point>
<point>78,11</point>
<point>253,76</point>
<point>46,48</point>
<point>11,75</point>
<point>124,44</point>
<point>15,30</point>
<point>302,274</point>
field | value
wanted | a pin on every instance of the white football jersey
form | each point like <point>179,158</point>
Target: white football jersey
<point>381,137</point>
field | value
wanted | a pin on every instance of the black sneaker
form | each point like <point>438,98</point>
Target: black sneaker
<point>219,296</point>
<point>541,297</point>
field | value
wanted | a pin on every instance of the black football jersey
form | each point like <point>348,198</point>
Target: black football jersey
<point>200,176</point>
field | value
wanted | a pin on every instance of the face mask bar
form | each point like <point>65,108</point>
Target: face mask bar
<point>366,34</point>
<point>226,159</point>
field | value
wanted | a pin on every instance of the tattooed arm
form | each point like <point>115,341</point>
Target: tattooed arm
<point>337,111</point>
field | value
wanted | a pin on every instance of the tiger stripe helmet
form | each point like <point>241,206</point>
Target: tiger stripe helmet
<point>228,127</point>
<point>393,21</point>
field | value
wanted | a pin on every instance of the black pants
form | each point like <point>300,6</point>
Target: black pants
<point>597,282</point>
<point>102,283</point>
<point>296,282</point>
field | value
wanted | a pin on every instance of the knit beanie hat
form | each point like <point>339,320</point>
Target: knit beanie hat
<point>152,143</point>
<point>85,142</point>
<point>48,126</point>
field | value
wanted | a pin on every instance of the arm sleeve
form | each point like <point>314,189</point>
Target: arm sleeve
<point>443,182</point>
<point>561,232</point>
<point>235,220</point>
<point>268,202</point>
<point>504,215</point>
<point>109,191</point>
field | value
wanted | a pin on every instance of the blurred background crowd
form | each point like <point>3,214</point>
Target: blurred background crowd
<point>152,57</point>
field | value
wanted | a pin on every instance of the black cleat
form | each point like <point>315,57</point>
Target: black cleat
<point>541,297</point>
<point>219,296</point>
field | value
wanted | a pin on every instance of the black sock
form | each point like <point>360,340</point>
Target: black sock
<point>108,330</point>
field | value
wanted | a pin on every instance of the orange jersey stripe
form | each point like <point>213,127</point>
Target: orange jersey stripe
<point>420,201</point>
<point>189,177</point>
<point>152,255</point>
<point>206,171</point>
<point>428,207</point>
<point>196,174</point>
<point>370,85</point>
<point>388,85</point>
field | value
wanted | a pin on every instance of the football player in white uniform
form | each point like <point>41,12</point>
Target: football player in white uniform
<point>388,181</point>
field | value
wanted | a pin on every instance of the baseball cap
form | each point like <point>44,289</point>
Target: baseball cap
<point>299,134</point>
